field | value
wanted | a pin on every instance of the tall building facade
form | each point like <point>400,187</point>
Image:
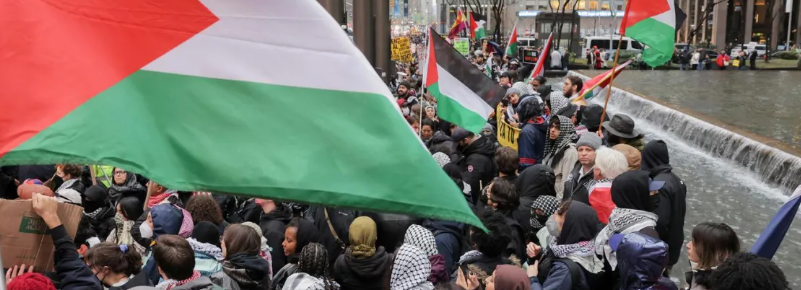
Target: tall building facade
<point>722,23</point>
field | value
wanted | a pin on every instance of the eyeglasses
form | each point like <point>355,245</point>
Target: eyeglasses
<point>119,172</point>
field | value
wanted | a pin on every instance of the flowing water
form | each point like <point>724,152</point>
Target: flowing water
<point>730,178</point>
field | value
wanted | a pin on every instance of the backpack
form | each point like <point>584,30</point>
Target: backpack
<point>575,271</point>
<point>462,240</point>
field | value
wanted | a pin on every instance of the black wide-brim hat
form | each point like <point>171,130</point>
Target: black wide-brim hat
<point>621,126</point>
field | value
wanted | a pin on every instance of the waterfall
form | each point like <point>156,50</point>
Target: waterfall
<point>773,166</point>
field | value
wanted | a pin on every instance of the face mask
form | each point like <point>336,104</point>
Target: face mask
<point>655,200</point>
<point>553,227</point>
<point>101,280</point>
<point>118,219</point>
<point>146,231</point>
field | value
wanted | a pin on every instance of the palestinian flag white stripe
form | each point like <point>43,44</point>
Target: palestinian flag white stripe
<point>456,90</point>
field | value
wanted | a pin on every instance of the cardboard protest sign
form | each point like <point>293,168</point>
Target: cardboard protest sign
<point>24,236</point>
<point>402,49</point>
<point>507,135</point>
<point>462,45</point>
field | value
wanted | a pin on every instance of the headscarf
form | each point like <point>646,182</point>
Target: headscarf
<point>630,190</point>
<point>558,103</point>
<point>524,88</point>
<point>422,238</point>
<point>654,154</point>
<point>94,199</point>
<point>529,108</point>
<point>187,224</point>
<point>535,181</point>
<point>547,204</point>
<point>411,270</point>
<point>575,241</point>
<point>441,158</point>
<point>508,277</point>
<point>303,281</point>
<point>307,233</point>
<point>567,133</point>
<point>130,185</point>
<point>362,235</point>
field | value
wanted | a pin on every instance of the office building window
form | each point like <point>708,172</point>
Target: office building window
<point>605,6</point>
<point>593,5</point>
<point>582,5</point>
<point>619,7</point>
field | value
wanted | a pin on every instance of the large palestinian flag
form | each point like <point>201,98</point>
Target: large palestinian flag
<point>654,23</point>
<point>263,98</point>
<point>465,96</point>
<point>594,86</point>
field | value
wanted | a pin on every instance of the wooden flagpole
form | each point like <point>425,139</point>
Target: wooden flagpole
<point>611,80</point>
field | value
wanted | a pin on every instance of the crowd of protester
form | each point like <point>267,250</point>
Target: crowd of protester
<point>574,207</point>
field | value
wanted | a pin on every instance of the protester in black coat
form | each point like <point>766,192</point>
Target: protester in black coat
<point>98,210</point>
<point>274,218</point>
<point>8,186</point>
<point>532,183</point>
<point>392,228</point>
<point>340,220</point>
<point>673,197</point>
<point>477,165</point>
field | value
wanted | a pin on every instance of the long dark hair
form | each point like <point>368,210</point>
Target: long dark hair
<point>714,243</point>
<point>120,259</point>
<point>241,239</point>
<point>131,208</point>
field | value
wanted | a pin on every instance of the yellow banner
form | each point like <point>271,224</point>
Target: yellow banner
<point>507,135</point>
<point>402,49</point>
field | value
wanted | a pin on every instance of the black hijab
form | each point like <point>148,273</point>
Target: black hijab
<point>581,224</point>
<point>94,198</point>
<point>630,190</point>
<point>207,232</point>
<point>131,208</point>
<point>306,234</point>
<point>535,181</point>
<point>654,154</point>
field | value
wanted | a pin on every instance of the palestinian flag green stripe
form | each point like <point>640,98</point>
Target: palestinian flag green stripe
<point>450,109</point>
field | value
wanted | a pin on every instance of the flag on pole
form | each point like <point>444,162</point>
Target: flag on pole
<point>458,25</point>
<point>511,47</point>
<point>594,86</point>
<point>539,69</point>
<point>771,238</point>
<point>194,85</point>
<point>653,23</point>
<point>465,96</point>
<point>477,25</point>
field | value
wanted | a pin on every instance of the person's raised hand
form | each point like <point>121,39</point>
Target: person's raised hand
<point>16,272</point>
<point>47,208</point>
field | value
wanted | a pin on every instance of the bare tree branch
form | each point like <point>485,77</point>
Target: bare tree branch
<point>707,12</point>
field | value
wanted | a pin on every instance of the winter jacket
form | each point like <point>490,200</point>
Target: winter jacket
<point>71,270</point>
<point>362,273</point>
<point>340,220</point>
<point>449,237</point>
<point>721,59</point>
<point>8,187</point>
<point>273,227</point>
<point>601,200</point>
<point>532,183</point>
<point>697,279</point>
<point>280,277</point>
<point>673,197</point>
<point>477,166</point>
<point>207,257</point>
<point>641,261</point>
<point>102,220</point>
<point>130,187</point>
<point>559,278</point>
<point>531,143</point>
<point>70,191</point>
<point>202,283</point>
<point>574,184</point>
<point>563,168</point>
<point>235,278</point>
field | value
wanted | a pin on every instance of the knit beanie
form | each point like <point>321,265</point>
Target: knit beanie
<point>406,84</point>
<point>589,139</point>
<point>207,232</point>
<point>31,281</point>
<point>513,91</point>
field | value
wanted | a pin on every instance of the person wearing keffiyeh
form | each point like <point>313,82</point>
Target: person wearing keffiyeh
<point>560,152</point>
<point>424,239</point>
<point>542,208</point>
<point>176,261</point>
<point>411,269</point>
<point>578,225</point>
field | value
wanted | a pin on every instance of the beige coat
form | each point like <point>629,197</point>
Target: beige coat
<point>563,168</point>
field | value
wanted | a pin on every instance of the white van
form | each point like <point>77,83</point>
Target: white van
<point>610,43</point>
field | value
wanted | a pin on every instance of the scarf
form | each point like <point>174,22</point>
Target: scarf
<point>169,284</point>
<point>123,227</point>
<point>622,221</point>
<point>441,158</point>
<point>362,235</point>
<point>438,271</point>
<point>469,256</point>
<point>590,185</point>
<point>411,270</point>
<point>547,204</point>
<point>158,199</point>
<point>553,148</point>
<point>303,281</point>
<point>422,238</point>
<point>247,270</point>
<point>205,249</point>
<point>582,253</point>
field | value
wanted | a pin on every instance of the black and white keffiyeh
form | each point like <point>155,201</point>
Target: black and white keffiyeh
<point>422,238</point>
<point>547,204</point>
<point>582,253</point>
<point>567,133</point>
<point>622,221</point>
<point>411,269</point>
<point>558,103</point>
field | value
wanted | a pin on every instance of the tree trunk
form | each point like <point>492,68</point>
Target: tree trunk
<point>561,22</point>
<point>572,28</point>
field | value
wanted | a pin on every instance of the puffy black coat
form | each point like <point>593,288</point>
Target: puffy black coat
<point>477,166</point>
<point>340,220</point>
<point>273,227</point>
